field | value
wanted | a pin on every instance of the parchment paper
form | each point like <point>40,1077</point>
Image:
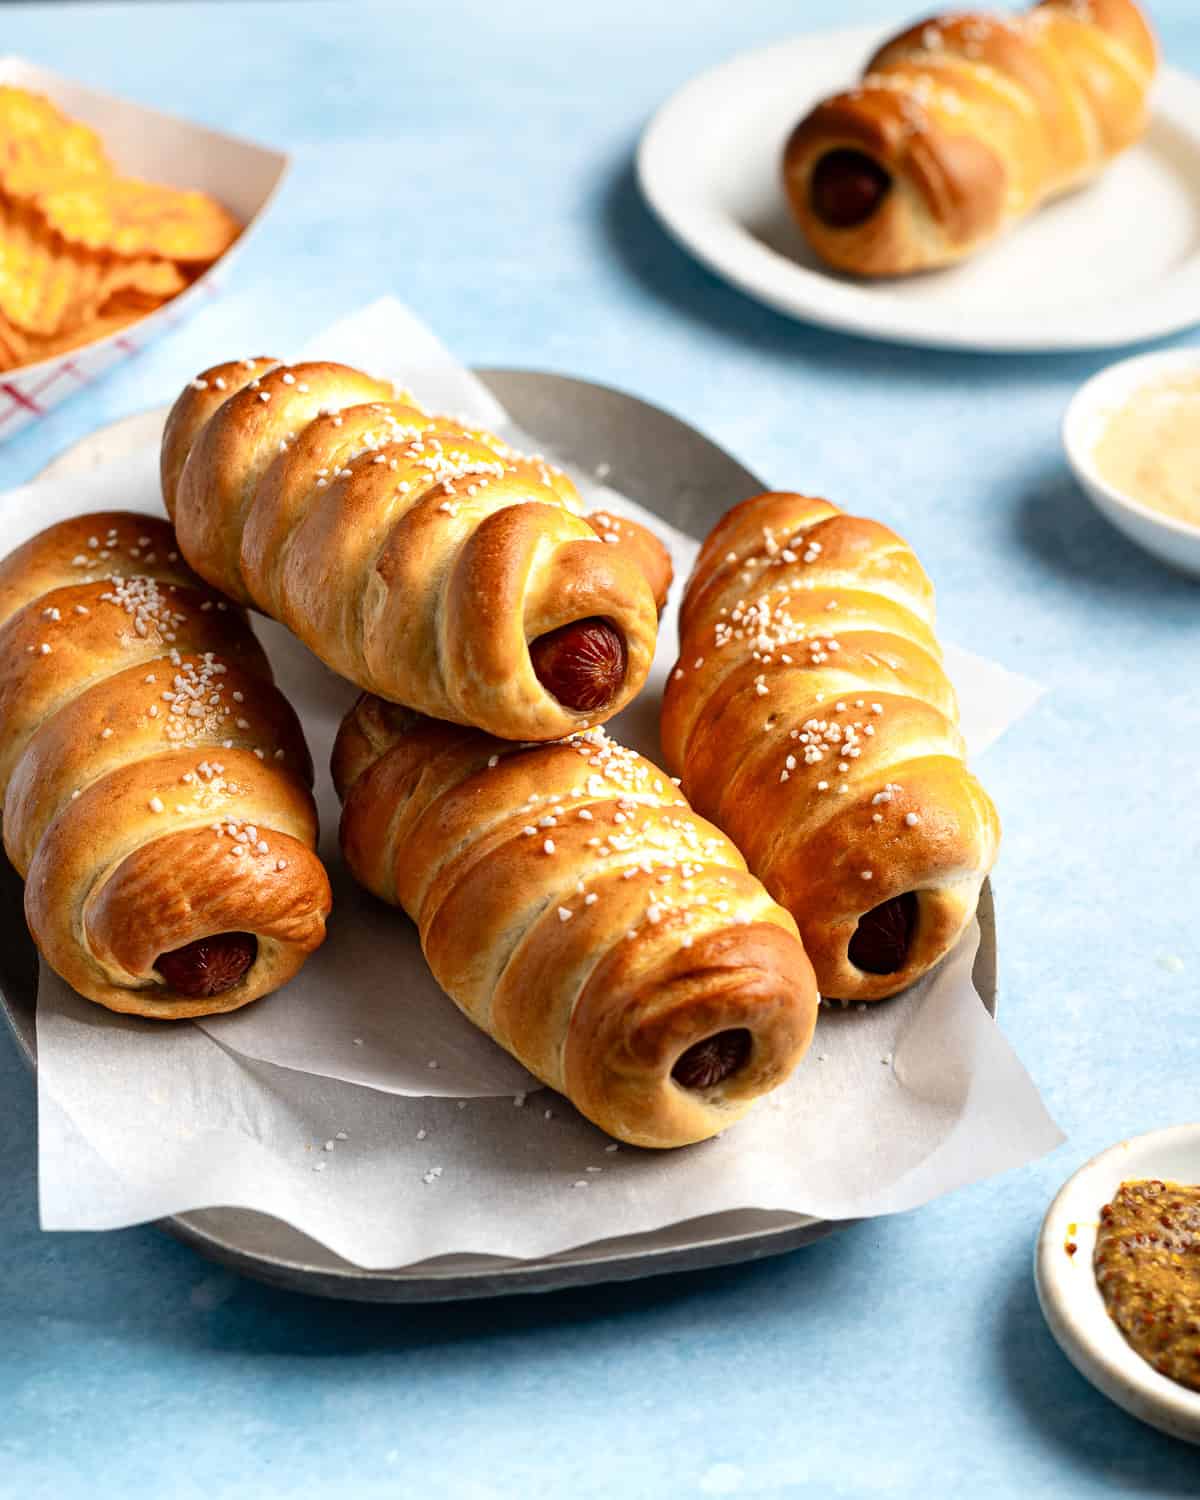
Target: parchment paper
<point>320,1105</point>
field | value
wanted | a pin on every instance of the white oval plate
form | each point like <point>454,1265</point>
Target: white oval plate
<point>1113,264</point>
<point>1071,1300</point>
<point>1171,541</point>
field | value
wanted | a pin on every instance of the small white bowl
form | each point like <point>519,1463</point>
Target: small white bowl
<point>1070,1297</point>
<point>1174,542</point>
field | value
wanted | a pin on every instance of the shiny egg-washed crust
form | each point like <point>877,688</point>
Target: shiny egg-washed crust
<point>414,556</point>
<point>809,716</point>
<point>139,717</point>
<point>642,547</point>
<point>978,119</point>
<point>515,863</point>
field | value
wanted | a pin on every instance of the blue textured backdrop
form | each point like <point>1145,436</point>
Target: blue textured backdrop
<point>475,159</point>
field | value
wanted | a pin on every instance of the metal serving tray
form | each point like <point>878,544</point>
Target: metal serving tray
<point>672,469</point>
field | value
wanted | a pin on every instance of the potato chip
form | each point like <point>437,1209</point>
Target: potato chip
<point>14,346</point>
<point>42,280</point>
<point>96,328</point>
<point>146,276</point>
<point>135,218</point>
<point>36,136</point>
<point>84,251</point>
<point>88,290</point>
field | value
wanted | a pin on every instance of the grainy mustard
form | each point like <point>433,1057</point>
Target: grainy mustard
<point>1147,1264</point>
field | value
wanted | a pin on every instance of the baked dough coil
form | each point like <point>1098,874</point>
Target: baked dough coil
<point>964,124</point>
<point>155,783</point>
<point>575,908</point>
<point>424,561</point>
<point>810,717</point>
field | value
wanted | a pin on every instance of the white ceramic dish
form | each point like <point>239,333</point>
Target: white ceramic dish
<point>1078,275</point>
<point>1171,541</point>
<point>1071,1300</point>
<point>161,148</point>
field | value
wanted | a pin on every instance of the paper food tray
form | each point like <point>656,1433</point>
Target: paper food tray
<point>161,148</point>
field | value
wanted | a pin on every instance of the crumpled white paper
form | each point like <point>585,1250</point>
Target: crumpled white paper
<point>320,1106</point>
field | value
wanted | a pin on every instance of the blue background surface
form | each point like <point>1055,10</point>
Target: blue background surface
<point>475,159</point>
